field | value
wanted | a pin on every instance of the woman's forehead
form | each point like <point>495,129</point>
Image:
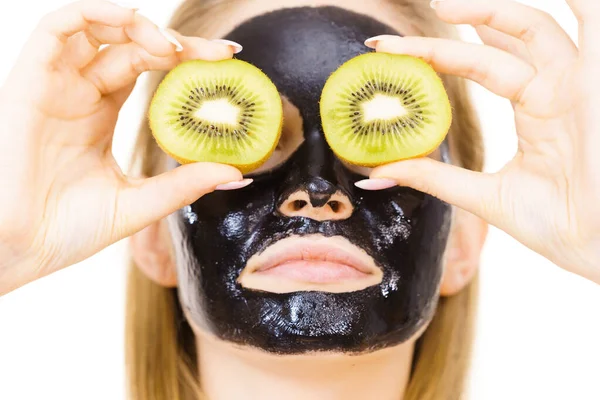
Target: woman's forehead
<point>310,45</point>
<point>384,11</point>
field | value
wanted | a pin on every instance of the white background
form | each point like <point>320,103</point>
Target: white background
<point>539,327</point>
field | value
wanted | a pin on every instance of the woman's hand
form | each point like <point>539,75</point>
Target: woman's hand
<point>62,197</point>
<point>548,195</point>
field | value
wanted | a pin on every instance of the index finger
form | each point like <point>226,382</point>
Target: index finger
<point>119,66</point>
<point>500,72</point>
<point>545,39</point>
<point>50,37</point>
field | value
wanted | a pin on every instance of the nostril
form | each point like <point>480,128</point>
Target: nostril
<point>298,205</point>
<point>335,206</point>
<point>304,204</point>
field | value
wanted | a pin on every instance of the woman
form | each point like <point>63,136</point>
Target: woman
<point>544,197</point>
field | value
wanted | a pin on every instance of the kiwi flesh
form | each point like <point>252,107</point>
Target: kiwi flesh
<point>226,112</point>
<point>379,108</point>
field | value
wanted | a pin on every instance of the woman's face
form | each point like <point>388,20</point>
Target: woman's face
<point>302,260</point>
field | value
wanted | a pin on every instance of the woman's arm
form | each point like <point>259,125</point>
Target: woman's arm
<point>548,195</point>
<point>63,197</point>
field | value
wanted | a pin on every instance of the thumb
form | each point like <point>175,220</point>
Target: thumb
<point>472,191</point>
<point>149,200</point>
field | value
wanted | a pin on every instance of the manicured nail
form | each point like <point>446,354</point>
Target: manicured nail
<point>376,184</point>
<point>126,4</point>
<point>172,40</point>
<point>236,46</point>
<point>372,42</point>
<point>435,3</point>
<point>234,185</point>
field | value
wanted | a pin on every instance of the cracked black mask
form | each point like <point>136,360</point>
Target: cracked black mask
<point>403,230</point>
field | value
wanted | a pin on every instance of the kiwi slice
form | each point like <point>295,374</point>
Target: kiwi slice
<point>379,108</point>
<point>226,112</point>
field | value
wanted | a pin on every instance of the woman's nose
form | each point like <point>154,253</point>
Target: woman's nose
<point>328,207</point>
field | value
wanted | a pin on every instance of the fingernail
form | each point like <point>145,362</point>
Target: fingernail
<point>172,40</point>
<point>126,4</point>
<point>376,184</point>
<point>236,46</point>
<point>372,42</point>
<point>435,3</point>
<point>234,185</point>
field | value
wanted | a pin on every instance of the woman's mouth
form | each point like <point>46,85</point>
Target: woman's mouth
<point>315,263</point>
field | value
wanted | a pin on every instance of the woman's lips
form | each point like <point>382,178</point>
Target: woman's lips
<point>314,271</point>
<point>311,263</point>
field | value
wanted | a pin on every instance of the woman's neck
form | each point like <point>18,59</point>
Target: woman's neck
<point>228,372</point>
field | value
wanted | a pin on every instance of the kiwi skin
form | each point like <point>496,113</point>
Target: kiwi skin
<point>243,168</point>
<point>431,148</point>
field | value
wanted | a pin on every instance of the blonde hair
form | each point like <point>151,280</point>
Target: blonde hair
<point>160,349</point>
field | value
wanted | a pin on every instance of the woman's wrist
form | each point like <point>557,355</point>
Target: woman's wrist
<point>19,262</point>
<point>592,264</point>
<point>585,263</point>
<point>11,270</point>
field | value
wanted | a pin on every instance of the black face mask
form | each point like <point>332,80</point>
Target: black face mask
<point>405,231</point>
